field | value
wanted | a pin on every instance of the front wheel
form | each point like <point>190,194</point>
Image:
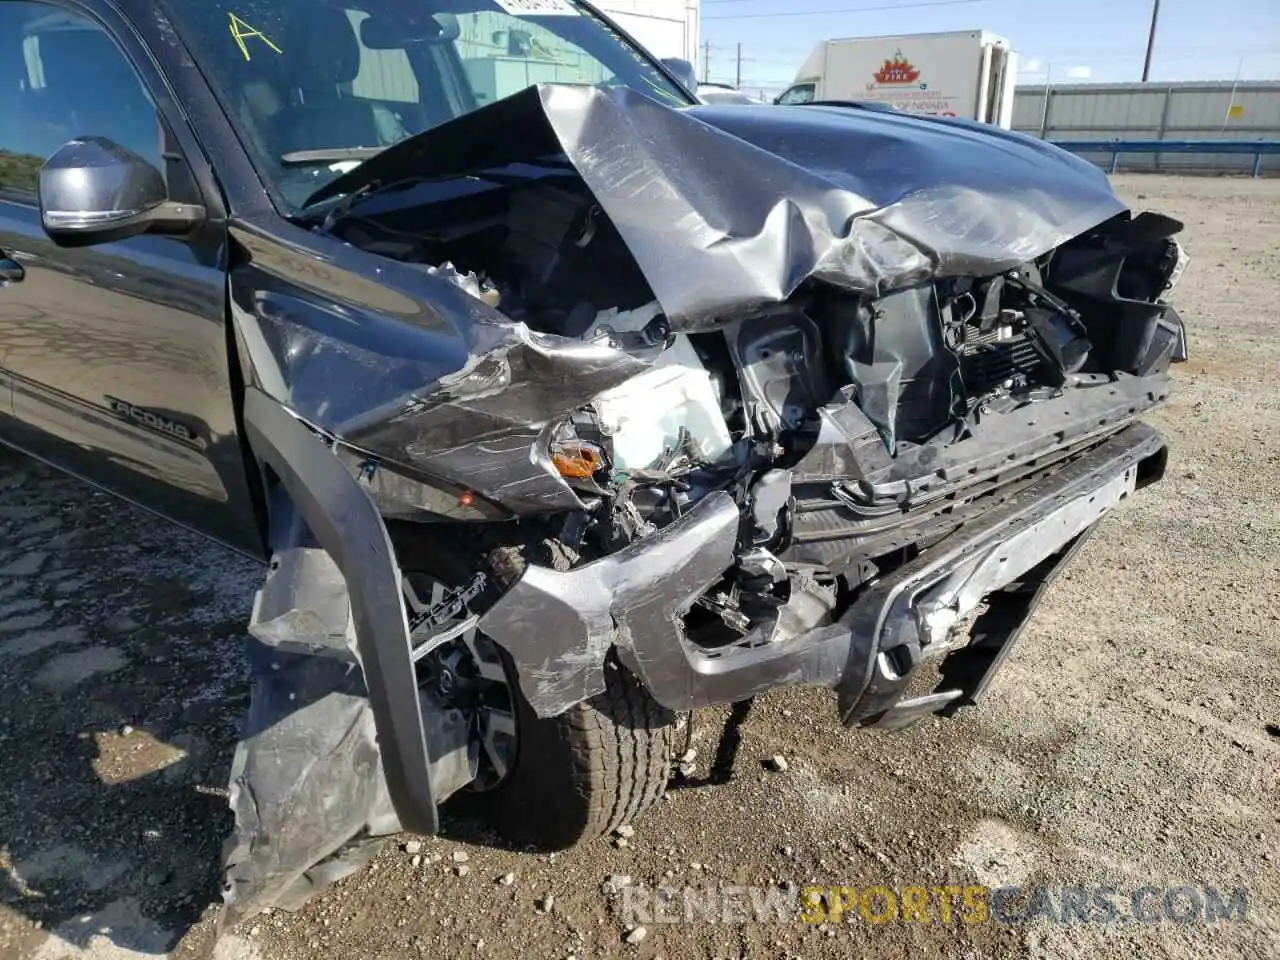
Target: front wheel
<point>586,772</point>
<point>549,782</point>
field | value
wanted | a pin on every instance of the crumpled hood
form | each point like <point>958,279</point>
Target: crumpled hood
<point>886,156</point>
<point>728,209</point>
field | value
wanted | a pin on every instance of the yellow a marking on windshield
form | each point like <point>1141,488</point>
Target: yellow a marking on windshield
<point>241,31</point>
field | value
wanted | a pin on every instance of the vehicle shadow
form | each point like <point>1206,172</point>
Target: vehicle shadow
<point>135,862</point>
<point>123,690</point>
<point>122,687</point>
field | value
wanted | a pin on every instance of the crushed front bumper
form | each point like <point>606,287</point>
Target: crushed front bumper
<point>559,627</point>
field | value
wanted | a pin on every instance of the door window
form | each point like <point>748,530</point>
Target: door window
<point>800,93</point>
<point>63,77</point>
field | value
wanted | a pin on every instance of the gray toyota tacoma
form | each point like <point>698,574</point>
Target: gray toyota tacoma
<point>557,403</point>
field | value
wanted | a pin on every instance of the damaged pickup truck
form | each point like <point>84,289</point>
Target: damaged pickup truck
<point>559,403</point>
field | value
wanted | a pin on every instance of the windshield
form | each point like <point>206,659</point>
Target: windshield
<point>722,95</point>
<point>800,93</point>
<point>316,87</point>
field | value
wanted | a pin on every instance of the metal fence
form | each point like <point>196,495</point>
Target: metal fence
<point>1156,111</point>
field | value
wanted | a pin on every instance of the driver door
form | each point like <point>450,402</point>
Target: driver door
<point>117,353</point>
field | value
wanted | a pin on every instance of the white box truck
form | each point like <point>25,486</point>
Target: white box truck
<point>966,73</point>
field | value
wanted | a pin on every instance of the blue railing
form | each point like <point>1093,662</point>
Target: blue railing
<point>1255,148</point>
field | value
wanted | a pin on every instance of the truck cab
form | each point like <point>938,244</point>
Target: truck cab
<point>798,94</point>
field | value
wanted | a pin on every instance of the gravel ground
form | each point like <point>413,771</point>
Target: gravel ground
<point>1132,739</point>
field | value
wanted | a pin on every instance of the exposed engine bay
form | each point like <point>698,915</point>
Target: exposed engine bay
<point>741,408</point>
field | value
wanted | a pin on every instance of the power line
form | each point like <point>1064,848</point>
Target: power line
<point>823,13</point>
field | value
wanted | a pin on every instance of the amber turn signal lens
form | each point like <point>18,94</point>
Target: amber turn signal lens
<point>577,460</point>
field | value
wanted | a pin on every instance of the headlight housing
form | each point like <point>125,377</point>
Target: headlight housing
<point>1180,264</point>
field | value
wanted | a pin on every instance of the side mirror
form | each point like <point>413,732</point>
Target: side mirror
<point>684,72</point>
<point>92,190</point>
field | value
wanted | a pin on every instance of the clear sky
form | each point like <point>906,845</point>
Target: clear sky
<point>1068,40</point>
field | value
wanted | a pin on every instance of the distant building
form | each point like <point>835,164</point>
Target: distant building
<point>668,28</point>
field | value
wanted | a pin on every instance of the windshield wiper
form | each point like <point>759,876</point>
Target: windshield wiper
<point>302,158</point>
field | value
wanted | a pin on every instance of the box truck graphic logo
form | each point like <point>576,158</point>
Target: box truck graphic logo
<point>898,70</point>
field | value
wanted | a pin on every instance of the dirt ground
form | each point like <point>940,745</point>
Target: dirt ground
<point>1132,740</point>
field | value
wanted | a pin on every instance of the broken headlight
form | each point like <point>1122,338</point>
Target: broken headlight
<point>1179,266</point>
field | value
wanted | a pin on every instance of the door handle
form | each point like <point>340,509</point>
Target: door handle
<point>10,271</point>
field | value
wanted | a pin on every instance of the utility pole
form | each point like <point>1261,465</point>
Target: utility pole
<point>1151,40</point>
<point>738,84</point>
<point>706,61</point>
<point>1048,93</point>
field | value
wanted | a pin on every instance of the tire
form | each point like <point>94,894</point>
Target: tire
<point>579,775</point>
<point>584,773</point>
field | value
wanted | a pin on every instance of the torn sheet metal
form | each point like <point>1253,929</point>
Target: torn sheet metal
<point>959,594</point>
<point>418,373</point>
<point>339,747</point>
<point>559,626</point>
<point>308,787</point>
<point>307,779</point>
<point>729,209</point>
